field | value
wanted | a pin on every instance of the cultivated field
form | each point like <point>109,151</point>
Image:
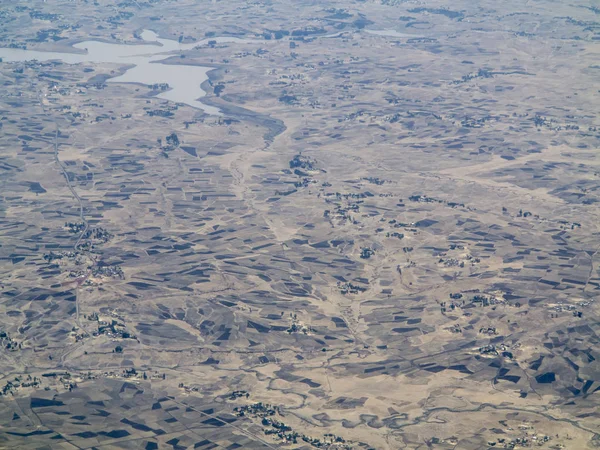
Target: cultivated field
<point>389,239</point>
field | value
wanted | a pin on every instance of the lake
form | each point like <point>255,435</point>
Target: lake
<point>393,33</point>
<point>184,80</point>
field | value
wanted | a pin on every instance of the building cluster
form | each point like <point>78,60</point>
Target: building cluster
<point>53,256</point>
<point>188,388</point>
<point>84,265</point>
<point>456,328</point>
<point>110,327</point>
<point>459,261</point>
<point>366,252</point>
<point>238,394</point>
<point>472,122</point>
<point>302,166</point>
<point>78,335</point>
<point>485,300</point>
<point>520,442</point>
<point>495,350</point>
<point>132,374</point>
<point>553,125</point>
<point>396,235</point>
<point>75,227</point>
<point>296,326</point>
<point>343,213</point>
<point>68,381</point>
<point>8,343</point>
<point>12,386</point>
<point>160,113</point>
<point>562,307</point>
<point>445,306</point>
<point>375,180</point>
<point>349,288</point>
<point>259,409</point>
<point>490,331</point>
<point>115,271</point>
<point>98,235</point>
<point>481,73</point>
<point>276,428</point>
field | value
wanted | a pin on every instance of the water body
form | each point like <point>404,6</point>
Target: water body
<point>184,80</point>
<point>393,33</point>
<point>334,35</point>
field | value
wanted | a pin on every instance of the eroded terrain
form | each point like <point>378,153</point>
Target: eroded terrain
<point>388,239</point>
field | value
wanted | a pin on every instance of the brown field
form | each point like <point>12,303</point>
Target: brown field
<point>388,240</point>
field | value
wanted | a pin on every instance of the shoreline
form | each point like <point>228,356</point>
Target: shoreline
<point>275,126</point>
